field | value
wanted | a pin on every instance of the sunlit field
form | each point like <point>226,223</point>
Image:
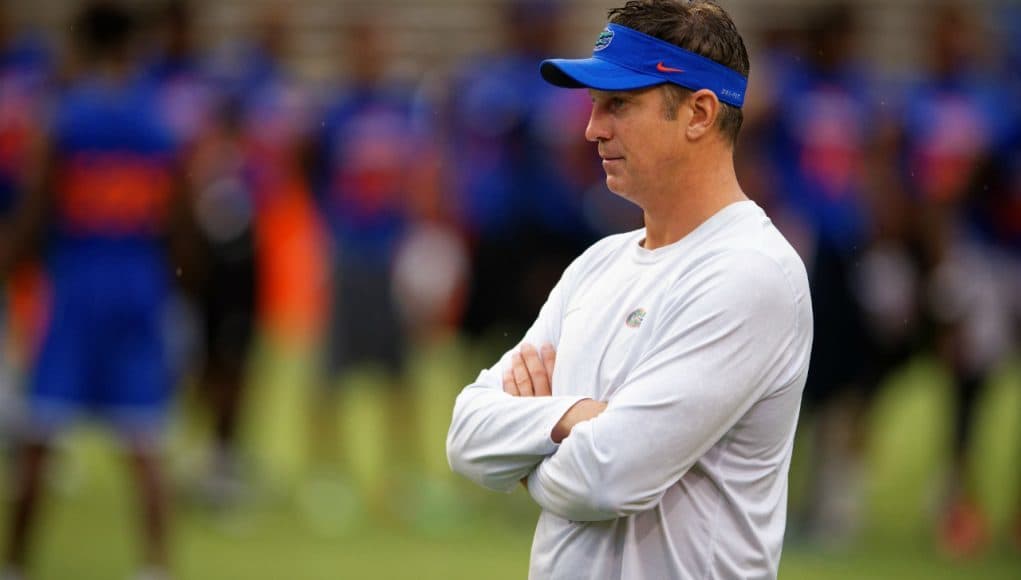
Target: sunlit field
<point>360,518</point>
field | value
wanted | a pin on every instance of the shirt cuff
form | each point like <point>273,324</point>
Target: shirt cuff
<point>556,413</point>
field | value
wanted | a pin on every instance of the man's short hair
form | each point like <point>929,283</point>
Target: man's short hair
<point>700,26</point>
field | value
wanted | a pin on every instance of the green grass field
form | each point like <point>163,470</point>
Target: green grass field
<point>310,522</point>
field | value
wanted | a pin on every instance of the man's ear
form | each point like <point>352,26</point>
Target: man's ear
<point>705,107</point>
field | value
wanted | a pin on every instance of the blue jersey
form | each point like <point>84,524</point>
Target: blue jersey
<point>24,86</point>
<point>368,148</point>
<point>274,127</point>
<point>995,197</point>
<point>821,142</point>
<point>508,128</point>
<point>104,350</point>
<point>950,125</point>
<point>185,95</point>
<point>113,165</point>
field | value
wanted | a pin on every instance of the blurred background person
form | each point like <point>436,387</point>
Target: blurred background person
<point>514,195</point>
<point>954,118</point>
<point>271,116</point>
<point>207,124</point>
<point>180,71</point>
<point>778,59</point>
<point>106,208</point>
<point>995,204</point>
<point>364,155</point>
<point>227,293</point>
<point>276,116</point>
<point>995,195</point>
<point>821,138</point>
<point>26,85</point>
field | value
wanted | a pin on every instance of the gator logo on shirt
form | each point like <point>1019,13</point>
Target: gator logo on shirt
<point>634,320</point>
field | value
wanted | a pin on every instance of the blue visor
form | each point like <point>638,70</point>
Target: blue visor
<point>624,59</point>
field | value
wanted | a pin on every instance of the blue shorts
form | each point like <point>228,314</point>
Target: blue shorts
<point>107,361</point>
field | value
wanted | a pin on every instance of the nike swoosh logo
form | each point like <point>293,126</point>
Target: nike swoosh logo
<point>663,68</point>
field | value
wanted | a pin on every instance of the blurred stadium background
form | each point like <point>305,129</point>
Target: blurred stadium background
<point>468,201</point>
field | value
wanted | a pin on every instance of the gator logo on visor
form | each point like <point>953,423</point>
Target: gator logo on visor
<point>605,37</point>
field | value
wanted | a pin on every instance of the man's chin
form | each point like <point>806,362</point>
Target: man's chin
<point>615,186</point>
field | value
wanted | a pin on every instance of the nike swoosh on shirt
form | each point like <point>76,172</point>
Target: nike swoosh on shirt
<point>664,68</point>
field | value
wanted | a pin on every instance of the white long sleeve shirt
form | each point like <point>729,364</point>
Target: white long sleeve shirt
<point>701,350</point>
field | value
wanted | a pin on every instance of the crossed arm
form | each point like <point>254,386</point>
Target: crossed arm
<point>586,460</point>
<point>531,375</point>
<point>501,431</point>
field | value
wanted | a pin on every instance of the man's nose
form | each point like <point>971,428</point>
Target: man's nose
<point>597,128</point>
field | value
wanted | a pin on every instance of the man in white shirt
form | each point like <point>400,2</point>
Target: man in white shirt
<point>651,408</point>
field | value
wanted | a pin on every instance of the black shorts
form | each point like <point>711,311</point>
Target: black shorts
<point>366,327</point>
<point>228,302</point>
<point>841,347</point>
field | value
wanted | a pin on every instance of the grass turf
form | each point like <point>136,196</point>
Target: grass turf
<point>446,529</point>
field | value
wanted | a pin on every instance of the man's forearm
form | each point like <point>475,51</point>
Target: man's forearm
<point>496,439</point>
<point>583,410</point>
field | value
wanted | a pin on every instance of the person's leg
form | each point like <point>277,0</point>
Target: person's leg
<point>229,302</point>
<point>146,465</point>
<point>323,430</point>
<point>334,359</point>
<point>228,399</point>
<point>223,481</point>
<point>55,393</point>
<point>836,485</point>
<point>968,388</point>
<point>392,352</point>
<point>973,339</point>
<point>963,527</point>
<point>837,391</point>
<point>136,404</point>
<point>402,427</point>
<point>27,489</point>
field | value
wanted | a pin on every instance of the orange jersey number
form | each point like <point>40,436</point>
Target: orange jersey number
<point>114,194</point>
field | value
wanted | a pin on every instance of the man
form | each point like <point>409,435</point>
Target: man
<point>654,425</point>
<point>107,207</point>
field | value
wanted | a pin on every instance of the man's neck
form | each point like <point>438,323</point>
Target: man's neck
<point>691,198</point>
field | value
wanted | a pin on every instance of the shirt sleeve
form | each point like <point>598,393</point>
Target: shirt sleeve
<point>496,439</point>
<point>721,345</point>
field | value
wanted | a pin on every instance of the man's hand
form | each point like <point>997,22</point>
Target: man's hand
<point>583,410</point>
<point>531,373</point>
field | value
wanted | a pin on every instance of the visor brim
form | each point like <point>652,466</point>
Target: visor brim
<point>594,73</point>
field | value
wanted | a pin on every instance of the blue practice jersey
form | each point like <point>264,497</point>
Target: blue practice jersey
<point>104,351</point>
<point>186,96</point>
<point>950,125</point>
<point>24,86</point>
<point>113,167</point>
<point>820,152</point>
<point>367,149</point>
<point>508,129</point>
